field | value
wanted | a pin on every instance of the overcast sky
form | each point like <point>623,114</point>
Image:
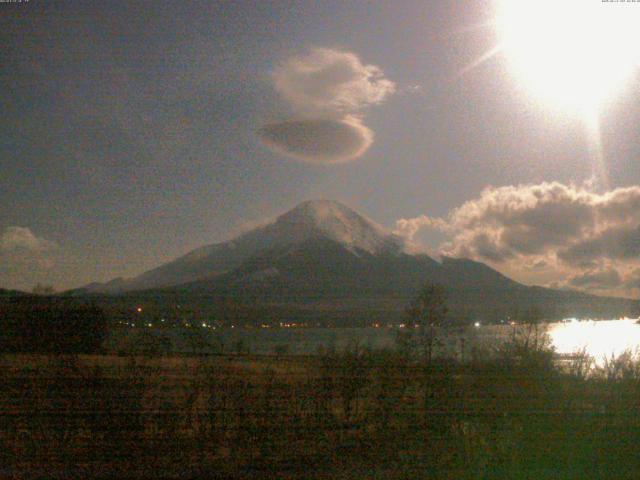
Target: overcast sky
<point>133,132</point>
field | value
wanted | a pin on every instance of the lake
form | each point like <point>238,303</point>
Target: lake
<point>599,339</point>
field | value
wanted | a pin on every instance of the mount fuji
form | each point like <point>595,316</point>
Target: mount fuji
<point>323,258</point>
<point>310,221</point>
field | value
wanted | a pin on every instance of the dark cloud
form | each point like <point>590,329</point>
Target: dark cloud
<point>525,219</point>
<point>533,219</point>
<point>318,140</point>
<point>619,243</point>
<point>573,230</point>
<point>485,247</point>
<point>601,280</point>
<point>633,279</point>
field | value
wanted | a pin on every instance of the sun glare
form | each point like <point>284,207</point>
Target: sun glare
<point>599,339</point>
<point>573,54</point>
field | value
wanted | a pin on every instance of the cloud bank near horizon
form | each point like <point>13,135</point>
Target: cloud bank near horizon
<point>585,239</point>
<point>15,239</point>
<point>327,90</point>
<point>24,257</point>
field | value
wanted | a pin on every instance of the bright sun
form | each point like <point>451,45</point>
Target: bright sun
<point>573,54</point>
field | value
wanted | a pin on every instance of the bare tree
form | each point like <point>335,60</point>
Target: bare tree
<point>429,311</point>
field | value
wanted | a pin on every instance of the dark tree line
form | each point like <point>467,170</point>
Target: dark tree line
<point>50,325</point>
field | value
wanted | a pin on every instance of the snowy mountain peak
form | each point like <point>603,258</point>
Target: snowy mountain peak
<point>333,220</point>
<point>310,220</point>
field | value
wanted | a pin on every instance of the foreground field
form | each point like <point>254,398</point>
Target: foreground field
<point>357,414</point>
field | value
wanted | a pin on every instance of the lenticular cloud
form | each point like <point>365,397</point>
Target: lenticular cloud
<point>327,90</point>
<point>330,82</point>
<point>318,140</point>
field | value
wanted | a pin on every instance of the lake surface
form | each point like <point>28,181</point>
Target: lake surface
<point>599,339</point>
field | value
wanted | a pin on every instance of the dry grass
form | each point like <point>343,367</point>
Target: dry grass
<point>354,414</point>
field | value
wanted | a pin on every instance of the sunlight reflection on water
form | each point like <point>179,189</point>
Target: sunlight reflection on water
<point>599,339</point>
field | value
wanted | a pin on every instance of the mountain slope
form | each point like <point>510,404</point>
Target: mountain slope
<point>310,220</point>
<point>325,262</point>
<point>12,293</point>
<point>355,287</point>
<point>323,266</point>
<point>329,283</point>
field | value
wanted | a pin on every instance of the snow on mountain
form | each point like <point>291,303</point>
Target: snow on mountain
<point>313,219</point>
<point>332,220</point>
